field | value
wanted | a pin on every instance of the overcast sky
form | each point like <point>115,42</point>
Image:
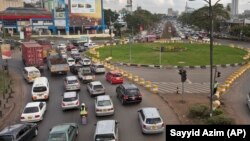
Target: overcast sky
<point>161,6</point>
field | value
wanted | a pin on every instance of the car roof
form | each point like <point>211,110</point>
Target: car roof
<point>14,129</point>
<point>40,80</point>
<point>96,83</point>
<point>60,128</point>
<point>105,126</point>
<point>151,112</point>
<point>31,68</point>
<point>70,58</point>
<point>71,78</point>
<point>69,94</point>
<point>129,86</point>
<point>115,72</point>
<point>32,104</point>
<point>103,97</point>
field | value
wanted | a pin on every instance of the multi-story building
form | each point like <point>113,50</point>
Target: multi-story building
<point>235,8</point>
<point>4,4</point>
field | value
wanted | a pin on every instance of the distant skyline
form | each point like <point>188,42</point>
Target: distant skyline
<point>161,6</point>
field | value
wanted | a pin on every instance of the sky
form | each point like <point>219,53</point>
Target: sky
<point>161,6</point>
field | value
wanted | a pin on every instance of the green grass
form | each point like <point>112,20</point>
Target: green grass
<point>4,81</point>
<point>195,54</point>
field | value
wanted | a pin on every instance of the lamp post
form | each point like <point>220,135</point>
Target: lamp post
<point>211,51</point>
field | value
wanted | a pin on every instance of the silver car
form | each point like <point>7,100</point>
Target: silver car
<point>150,120</point>
<point>71,83</point>
<point>104,105</point>
<point>70,100</point>
<point>95,88</point>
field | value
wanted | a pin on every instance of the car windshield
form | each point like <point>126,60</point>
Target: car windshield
<point>6,138</point>
<point>132,91</point>
<point>72,81</point>
<point>71,60</point>
<point>86,72</point>
<point>30,110</point>
<point>57,137</point>
<point>117,75</point>
<point>34,72</point>
<point>104,103</point>
<point>104,137</point>
<point>39,89</point>
<point>153,120</point>
<point>69,99</point>
<point>98,87</point>
<point>86,61</point>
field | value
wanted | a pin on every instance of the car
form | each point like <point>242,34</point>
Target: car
<point>85,74</point>
<point>64,132</point>
<point>40,89</point>
<point>33,112</point>
<point>114,77</point>
<point>128,93</point>
<point>150,120</point>
<point>75,50</point>
<point>19,132</point>
<point>62,46</point>
<point>71,83</point>
<point>82,48</point>
<point>90,45</point>
<point>75,55</point>
<point>104,105</point>
<point>31,73</point>
<point>70,47</point>
<point>64,55</point>
<point>106,130</point>
<point>85,62</point>
<point>98,68</point>
<point>71,61</point>
<point>206,39</point>
<point>74,69</point>
<point>70,100</point>
<point>95,88</point>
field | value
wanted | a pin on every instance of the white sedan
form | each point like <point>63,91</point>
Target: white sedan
<point>104,105</point>
<point>71,61</point>
<point>33,112</point>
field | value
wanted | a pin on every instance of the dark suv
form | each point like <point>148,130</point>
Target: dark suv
<point>128,93</point>
<point>19,132</point>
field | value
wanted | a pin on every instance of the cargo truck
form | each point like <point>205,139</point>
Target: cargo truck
<point>57,64</point>
<point>32,54</point>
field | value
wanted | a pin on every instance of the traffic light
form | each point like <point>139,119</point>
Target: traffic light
<point>218,74</point>
<point>183,74</point>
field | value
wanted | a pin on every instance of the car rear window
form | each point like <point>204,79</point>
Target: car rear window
<point>104,103</point>
<point>57,137</point>
<point>30,110</point>
<point>117,75</point>
<point>6,138</point>
<point>104,137</point>
<point>86,61</point>
<point>98,87</point>
<point>153,120</point>
<point>39,89</point>
<point>69,99</point>
<point>100,66</point>
<point>133,92</point>
<point>72,81</point>
<point>71,60</point>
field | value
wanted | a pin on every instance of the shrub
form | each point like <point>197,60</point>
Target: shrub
<point>220,120</point>
<point>198,111</point>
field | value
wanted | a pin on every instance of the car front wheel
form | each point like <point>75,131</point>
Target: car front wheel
<point>36,132</point>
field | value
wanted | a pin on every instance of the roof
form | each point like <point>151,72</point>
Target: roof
<point>96,83</point>
<point>151,112</point>
<point>71,78</point>
<point>62,127</point>
<point>69,94</point>
<point>105,126</point>
<point>115,72</point>
<point>32,104</point>
<point>31,68</point>
<point>31,44</point>
<point>129,86</point>
<point>13,129</point>
<point>103,97</point>
<point>40,80</point>
<point>25,13</point>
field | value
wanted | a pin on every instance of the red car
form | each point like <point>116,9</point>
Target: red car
<point>114,77</point>
<point>69,47</point>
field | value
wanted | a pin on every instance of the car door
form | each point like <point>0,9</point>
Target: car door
<point>118,91</point>
<point>42,107</point>
<point>141,118</point>
<point>24,134</point>
<point>71,134</point>
<point>108,76</point>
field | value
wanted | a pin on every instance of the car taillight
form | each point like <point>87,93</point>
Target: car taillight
<point>37,116</point>
<point>111,109</point>
<point>63,104</point>
<point>77,102</point>
<point>162,125</point>
<point>98,110</point>
<point>125,97</point>
<point>140,95</point>
<point>22,117</point>
<point>144,126</point>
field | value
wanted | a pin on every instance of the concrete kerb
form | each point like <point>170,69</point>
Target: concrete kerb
<point>7,114</point>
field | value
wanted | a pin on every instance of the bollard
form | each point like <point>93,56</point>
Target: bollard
<point>177,90</point>
<point>155,89</point>
<point>148,85</point>
<point>136,79</point>
<point>216,104</point>
<point>141,81</point>
<point>130,76</point>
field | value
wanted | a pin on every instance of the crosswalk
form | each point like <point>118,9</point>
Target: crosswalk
<point>169,87</point>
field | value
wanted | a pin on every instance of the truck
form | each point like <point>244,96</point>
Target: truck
<point>57,64</point>
<point>32,54</point>
<point>46,46</point>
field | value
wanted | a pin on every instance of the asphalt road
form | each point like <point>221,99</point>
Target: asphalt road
<point>129,129</point>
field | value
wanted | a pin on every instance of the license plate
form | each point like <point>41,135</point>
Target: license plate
<point>153,127</point>
<point>105,110</point>
<point>133,98</point>
<point>29,117</point>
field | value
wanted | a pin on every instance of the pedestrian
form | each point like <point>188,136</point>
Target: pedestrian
<point>216,84</point>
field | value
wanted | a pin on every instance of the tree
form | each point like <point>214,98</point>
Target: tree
<point>110,15</point>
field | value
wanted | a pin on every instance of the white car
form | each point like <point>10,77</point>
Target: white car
<point>40,89</point>
<point>104,105</point>
<point>86,62</point>
<point>95,88</point>
<point>89,45</point>
<point>98,68</point>
<point>70,100</point>
<point>74,51</point>
<point>71,83</point>
<point>33,112</point>
<point>206,39</point>
<point>62,46</point>
<point>71,61</point>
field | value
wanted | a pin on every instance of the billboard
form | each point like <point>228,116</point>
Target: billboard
<point>59,9</point>
<point>87,13</point>
<point>5,51</point>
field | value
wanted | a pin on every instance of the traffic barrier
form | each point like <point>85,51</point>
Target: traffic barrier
<point>216,96</point>
<point>130,76</point>
<point>141,81</point>
<point>136,79</point>
<point>216,104</point>
<point>148,85</point>
<point>155,89</point>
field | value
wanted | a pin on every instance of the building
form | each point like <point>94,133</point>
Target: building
<point>129,5</point>
<point>246,12</point>
<point>188,9</point>
<point>4,4</point>
<point>235,8</point>
<point>172,13</point>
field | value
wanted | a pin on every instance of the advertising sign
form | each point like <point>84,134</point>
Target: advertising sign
<point>5,51</point>
<point>60,23</point>
<point>83,6</point>
<point>87,13</point>
<point>59,9</point>
<point>27,31</point>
